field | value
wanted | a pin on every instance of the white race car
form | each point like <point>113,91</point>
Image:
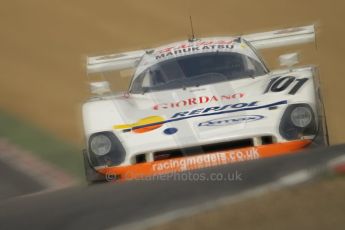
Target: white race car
<point>201,103</point>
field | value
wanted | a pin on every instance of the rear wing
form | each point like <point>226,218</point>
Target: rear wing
<point>272,39</point>
<point>279,38</point>
<point>113,62</point>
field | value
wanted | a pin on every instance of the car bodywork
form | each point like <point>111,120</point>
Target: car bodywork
<point>201,103</point>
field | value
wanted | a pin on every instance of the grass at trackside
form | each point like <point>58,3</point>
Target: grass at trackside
<point>42,144</point>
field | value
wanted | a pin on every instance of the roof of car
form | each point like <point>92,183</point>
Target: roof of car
<point>190,47</point>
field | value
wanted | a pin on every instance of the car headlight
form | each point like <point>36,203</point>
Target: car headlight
<point>301,116</point>
<point>298,121</point>
<point>100,144</point>
<point>104,148</point>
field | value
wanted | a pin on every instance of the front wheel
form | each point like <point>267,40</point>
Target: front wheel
<point>92,176</point>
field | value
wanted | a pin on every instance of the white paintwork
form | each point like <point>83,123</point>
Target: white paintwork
<point>100,87</point>
<point>288,60</point>
<point>113,61</point>
<point>104,112</point>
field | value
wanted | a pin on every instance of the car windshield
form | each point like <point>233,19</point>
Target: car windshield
<point>197,70</point>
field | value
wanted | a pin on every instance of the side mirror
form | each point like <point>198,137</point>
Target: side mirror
<point>289,60</point>
<point>100,87</point>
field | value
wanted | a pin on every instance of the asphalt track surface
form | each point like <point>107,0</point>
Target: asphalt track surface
<point>115,204</point>
<point>14,183</point>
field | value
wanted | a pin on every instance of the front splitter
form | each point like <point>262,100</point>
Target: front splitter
<point>181,164</point>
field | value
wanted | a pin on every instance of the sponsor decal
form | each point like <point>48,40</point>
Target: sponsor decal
<point>197,100</point>
<point>142,125</point>
<point>193,47</point>
<point>201,161</point>
<point>217,109</point>
<point>170,131</point>
<point>169,166</point>
<point>280,84</point>
<point>154,122</point>
<point>193,44</point>
<point>225,121</point>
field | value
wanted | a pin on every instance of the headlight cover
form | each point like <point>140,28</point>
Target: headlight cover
<point>100,144</point>
<point>298,121</point>
<point>104,148</point>
<point>301,116</point>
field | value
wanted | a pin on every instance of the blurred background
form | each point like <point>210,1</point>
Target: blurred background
<point>43,45</point>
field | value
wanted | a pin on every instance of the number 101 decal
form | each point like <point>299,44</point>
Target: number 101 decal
<point>279,84</point>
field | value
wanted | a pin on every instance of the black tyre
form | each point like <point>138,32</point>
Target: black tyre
<point>92,176</point>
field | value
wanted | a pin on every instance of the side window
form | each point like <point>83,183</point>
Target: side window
<point>254,67</point>
<point>146,82</point>
<point>249,64</point>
